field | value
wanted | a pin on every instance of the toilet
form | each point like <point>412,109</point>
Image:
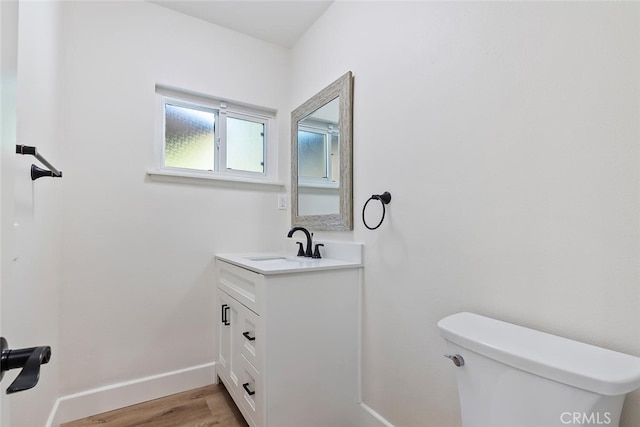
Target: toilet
<point>512,376</point>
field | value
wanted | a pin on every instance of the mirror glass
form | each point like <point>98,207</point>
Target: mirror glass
<point>321,134</point>
<point>319,161</point>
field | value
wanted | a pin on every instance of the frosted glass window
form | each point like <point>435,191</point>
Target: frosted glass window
<point>312,154</point>
<point>204,137</point>
<point>245,145</point>
<point>189,138</point>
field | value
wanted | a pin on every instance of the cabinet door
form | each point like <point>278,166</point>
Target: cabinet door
<point>224,337</point>
<point>237,335</point>
<point>231,339</point>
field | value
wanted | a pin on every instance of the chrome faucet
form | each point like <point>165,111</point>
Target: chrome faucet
<point>308,253</point>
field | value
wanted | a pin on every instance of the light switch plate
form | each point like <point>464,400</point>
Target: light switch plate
<point>282,201</point>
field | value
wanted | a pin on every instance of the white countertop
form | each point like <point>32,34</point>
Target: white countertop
<point>336,255</point>
<point>279,263</point>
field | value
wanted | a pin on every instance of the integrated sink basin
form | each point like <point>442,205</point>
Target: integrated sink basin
<point>336,255</point>
<point>273,261</point>
<point>267,258</point>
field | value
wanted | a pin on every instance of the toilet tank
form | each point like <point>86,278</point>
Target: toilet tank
<point>516,376</point>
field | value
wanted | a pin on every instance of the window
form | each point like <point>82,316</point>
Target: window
<point>200,136</point>
<point>189,136</point>
<point>318,155</point>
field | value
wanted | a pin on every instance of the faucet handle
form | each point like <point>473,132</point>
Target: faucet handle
<point>300,249</point>
<point>316,253</point>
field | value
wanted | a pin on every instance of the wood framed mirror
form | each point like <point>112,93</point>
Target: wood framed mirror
<point>322,159</point>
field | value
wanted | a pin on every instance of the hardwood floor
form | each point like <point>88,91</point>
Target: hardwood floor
<point>201,407</point>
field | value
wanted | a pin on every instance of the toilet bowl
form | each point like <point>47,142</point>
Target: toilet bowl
<point>512,376</point>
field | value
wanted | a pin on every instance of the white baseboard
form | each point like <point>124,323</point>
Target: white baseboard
<point>373,419</point>
<point>108,398</point>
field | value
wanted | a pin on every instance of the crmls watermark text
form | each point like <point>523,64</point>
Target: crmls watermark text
<point>583,418</point>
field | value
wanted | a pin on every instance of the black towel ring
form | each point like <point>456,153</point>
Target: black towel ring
<point>385,199</point>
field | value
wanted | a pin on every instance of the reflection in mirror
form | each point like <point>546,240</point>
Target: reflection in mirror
<point>321,159</point>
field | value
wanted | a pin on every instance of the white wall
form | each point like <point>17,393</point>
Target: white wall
<point>138,282</point>
<point>508,136</point>
<point>318,201</point>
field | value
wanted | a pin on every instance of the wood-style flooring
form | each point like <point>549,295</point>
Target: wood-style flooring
<point>206,406</point>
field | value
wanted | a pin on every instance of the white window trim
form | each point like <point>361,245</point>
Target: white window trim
<point>311,182</point>
<point>191,99</point>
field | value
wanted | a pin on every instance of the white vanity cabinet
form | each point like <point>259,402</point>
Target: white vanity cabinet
<point>288,344</point>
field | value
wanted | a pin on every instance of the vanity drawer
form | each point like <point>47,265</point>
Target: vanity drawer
<point>243,285</point>
<point>251,393</point>
<point>248,338</point>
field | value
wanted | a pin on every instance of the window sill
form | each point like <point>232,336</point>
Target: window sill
<point>196,178</point>
<point>324,186</point>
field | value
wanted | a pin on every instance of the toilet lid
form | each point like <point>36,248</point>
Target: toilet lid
<point>574,363</point>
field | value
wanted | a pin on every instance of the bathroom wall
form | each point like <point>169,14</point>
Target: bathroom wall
<point>137,296</point>
<point>30,293</point>
<point>508,136</point>
<point>318,201</point>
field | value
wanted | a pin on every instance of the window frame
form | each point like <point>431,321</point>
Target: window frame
<point>222,149</point>
<point>222,108</point>
<point>320,182</point>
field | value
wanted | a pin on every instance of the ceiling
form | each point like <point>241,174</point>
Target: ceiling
<point>279,22</point>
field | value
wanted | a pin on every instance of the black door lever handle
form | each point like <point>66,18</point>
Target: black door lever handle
<point>29,359</point>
